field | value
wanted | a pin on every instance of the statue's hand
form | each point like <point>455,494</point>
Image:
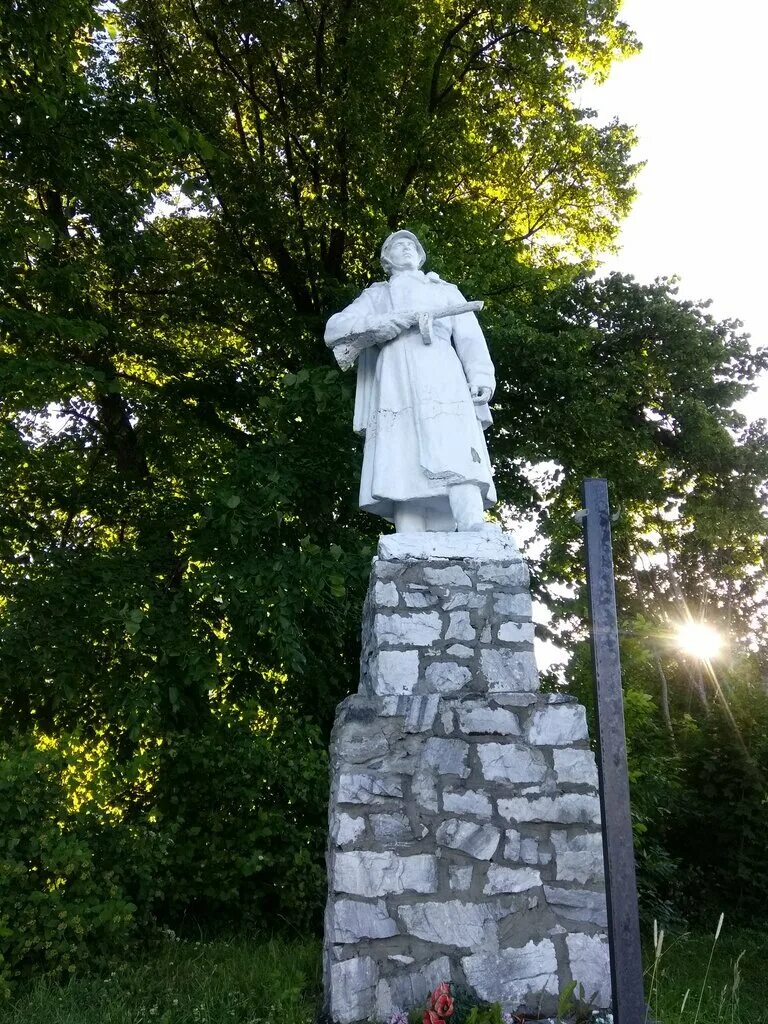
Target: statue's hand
<point>480,394</point>
<point>388,327</point>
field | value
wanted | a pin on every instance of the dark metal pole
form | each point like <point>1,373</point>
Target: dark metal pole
<point>620,881</point>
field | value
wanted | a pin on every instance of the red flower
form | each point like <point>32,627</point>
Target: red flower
<point>430,1017</point>
<point>440,1004</point>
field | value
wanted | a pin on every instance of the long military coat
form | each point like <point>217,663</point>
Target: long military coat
<point>422,431</point>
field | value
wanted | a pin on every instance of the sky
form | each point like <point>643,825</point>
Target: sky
<point>697,98</point>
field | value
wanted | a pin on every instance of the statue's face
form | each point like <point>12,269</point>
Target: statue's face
<point>403,255</point>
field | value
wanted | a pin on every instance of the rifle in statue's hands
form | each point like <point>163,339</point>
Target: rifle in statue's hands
<point>388,326</point>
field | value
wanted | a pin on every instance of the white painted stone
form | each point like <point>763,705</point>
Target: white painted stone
<point>446,756</point>
<point>514,575</point>
<point>567,809</point>
<point>391,828</point>
<point>353,921</point>
<point>506,762</point>
<point>558,725</point>
<point>480,547</point>
<point>346,829</point>
<point>399,958</point>
<point>459,877</point>
<point>419,599</point>
<point>447,677</point>
<point>447,721</point>
<point>576,766</point>
<point>513,604</point>
<point>514,976</point>
<point>578,904</point>
<point>385,595</point>
<point>357,788</point>
<point>516,632</point>
<point>579,859</point>
<point>419,629</point>
<point>509,670</point>
<point>590,965</point>
<point>358,745</point>
<point>512,844</point>
<point>479,841</point>
<point>352,989</point>
<point>468,801</point>
<point>424,789</point>
<point>452,923</point>
<point>406,990</point>
<point>367,873</point>
<point>450,576</point>
<point>460,651</point>
<point>482,719</point>
<point>395,672</point>
<point>459,627</point>
<point>529,851</point>
<point>452,601</point>
<point>501,879</point>
<point>422,713</point>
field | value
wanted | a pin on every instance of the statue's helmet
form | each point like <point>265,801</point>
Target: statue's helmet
<point>385,261</point>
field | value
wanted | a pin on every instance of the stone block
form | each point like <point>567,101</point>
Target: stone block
<point>501,879</point>
<point>579,859</point>
<point>518,605</point>
<point>419,629</point>
<point>479,841</point>
<point>422,713</point>
<point>424,790</point>
<point>516,632</point>
<point>578,904</point>
<point>512,844</point>
<point>459,877</point>
<point>367,873</point>
<point>557,726</point>
<point>452,923</point>
<point>567,809</point>
<point>447,677</point>
<point>345,829</point>
<point>450,576</point>
<point>575,766</point>
<point>529,851</point>
<point>393,829</point>
<point>429,546</point>
<point>460,651</point>
<point>352,989</point>
<point>395,672</point>
<point>514,575</point>
<point>446,756</point>
<point>406,990</point>
<point>468,801</point>
<point>480,718</point>
<point>459,627</point>
<point>507,762</point>
<point>358,744</point>
<point>357,788</point>
<point>419,599</point>
<point>385,595</point>
<point>509,670</point>
<point>353,920</point>
<point>514,977</point>
<point>590,965</point>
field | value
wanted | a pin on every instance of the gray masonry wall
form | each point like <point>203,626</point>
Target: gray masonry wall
<point>464,816</point>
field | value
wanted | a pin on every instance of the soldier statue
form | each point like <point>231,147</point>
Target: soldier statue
<point>424,381</point>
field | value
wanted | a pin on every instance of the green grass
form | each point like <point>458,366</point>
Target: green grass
<point>683,966</point>
<point>244,981</point>
<point>219,982</point>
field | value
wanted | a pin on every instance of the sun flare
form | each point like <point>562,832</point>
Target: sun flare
<point>699,640</point>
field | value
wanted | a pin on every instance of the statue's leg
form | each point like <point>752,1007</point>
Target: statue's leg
<point>410,517</point>
<point>467,506</point>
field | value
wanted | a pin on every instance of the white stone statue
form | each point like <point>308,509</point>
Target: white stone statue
<point>424,381</point>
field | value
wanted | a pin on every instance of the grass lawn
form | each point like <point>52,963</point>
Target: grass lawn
<point>276,982</point>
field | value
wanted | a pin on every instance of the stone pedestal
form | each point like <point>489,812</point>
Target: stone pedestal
<point>465,837</point>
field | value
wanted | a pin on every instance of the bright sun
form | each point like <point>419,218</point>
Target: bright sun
<point>698,640</point>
